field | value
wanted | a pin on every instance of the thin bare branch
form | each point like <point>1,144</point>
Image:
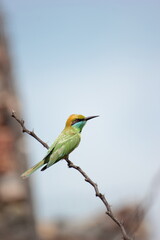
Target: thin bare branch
<point>103,199</point>
<point>25,130</point>
<point>98,194</point>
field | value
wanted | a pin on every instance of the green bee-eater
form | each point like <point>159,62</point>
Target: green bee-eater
<point>67,141</point>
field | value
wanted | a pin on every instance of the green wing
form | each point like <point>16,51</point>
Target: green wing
<point>67,141</point>
<point>63,146</point>
<point>52,147</point>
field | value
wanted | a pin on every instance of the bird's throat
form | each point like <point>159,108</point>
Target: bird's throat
<point>79,125</point>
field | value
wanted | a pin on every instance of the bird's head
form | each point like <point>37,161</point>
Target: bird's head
<point>77,121</point>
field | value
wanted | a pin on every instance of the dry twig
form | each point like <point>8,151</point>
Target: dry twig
<point>25,130</point>
<point>98,194</point>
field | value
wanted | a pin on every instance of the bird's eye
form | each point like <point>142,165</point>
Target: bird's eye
<point>76,120</point>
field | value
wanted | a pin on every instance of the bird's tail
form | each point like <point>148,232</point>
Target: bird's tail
<point>33,169</point>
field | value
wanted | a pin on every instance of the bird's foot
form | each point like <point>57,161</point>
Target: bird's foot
<point>70,164</point>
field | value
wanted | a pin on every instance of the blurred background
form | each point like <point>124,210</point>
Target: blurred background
<point>92,58</point>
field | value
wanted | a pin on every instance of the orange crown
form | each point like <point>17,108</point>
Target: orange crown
<point>72,118</point>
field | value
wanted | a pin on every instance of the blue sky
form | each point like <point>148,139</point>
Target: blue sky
<point>90,57</point>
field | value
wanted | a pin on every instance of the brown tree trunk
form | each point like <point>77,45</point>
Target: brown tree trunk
<point>16,215</point>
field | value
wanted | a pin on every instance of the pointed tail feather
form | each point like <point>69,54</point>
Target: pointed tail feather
<point>33,169</point>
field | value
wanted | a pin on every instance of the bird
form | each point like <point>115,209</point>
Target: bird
<point>65,143</point>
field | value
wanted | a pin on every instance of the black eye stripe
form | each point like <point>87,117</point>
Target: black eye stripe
<point>77,120</point>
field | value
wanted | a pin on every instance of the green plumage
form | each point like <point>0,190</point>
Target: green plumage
<point>67,141</point>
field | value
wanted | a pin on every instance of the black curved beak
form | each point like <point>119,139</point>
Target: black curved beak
<point>88,118</point>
